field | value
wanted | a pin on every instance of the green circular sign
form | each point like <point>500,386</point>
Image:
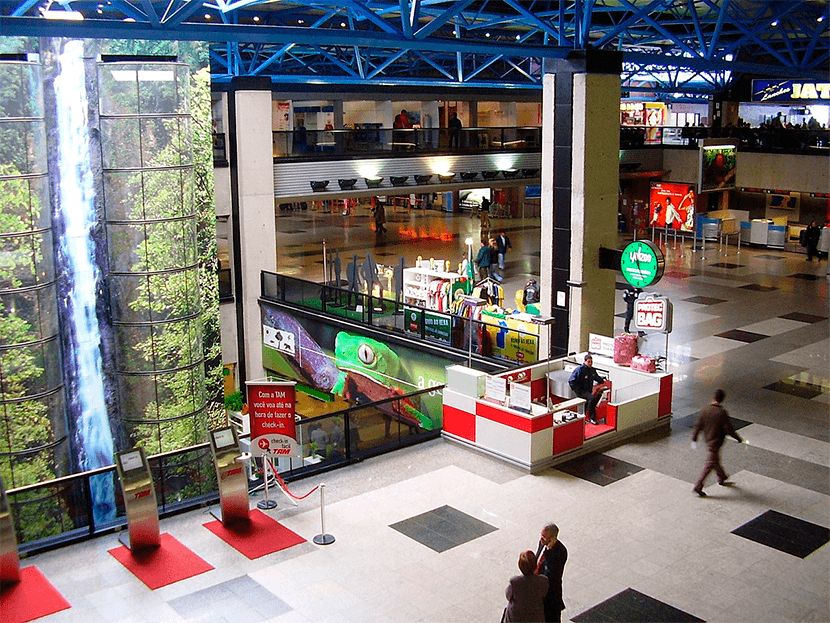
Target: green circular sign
<point>642,263</point>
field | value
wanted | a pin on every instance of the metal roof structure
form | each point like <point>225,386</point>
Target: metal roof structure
<point>676,48</point>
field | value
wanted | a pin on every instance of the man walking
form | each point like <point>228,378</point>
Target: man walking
<point>715,424</point>
<point>552,555</point>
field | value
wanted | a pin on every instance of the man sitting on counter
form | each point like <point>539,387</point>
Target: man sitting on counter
<point>588,385</point>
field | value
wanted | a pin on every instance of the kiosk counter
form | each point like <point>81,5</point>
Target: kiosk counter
<point>554,428</point>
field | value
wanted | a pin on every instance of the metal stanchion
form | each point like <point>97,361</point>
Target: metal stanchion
<point>323,538</point>
<point>265,504</point>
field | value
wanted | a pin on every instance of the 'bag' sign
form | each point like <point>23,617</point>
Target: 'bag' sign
<point>653,313</point>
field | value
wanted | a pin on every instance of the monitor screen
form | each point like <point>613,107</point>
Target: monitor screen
<point>131,460</point>
<point>223,438</point>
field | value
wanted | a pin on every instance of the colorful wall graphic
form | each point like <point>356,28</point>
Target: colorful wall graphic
<point>672,205</point>
<point>108,289</point>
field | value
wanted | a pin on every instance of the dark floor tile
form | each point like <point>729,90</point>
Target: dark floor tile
<point>756,287</point>
<point>621,286</point>
<point>727,265</point>
<point>785,533</point>
<point>238,593</point>
<point>292,231</point>
<point>704,300</point>
<point>742,336</point>
<point>806,276</point>
<point>622,315</point>
<point>688,422</point>
<point>795,388</point>
<point>799,317</point>
<point>443,528</point>
<point>599,468</point>
<point>770,257</point>
<point>631,605</point>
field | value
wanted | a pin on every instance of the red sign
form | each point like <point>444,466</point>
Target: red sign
<point>672,205</point>
<point>272,408</point>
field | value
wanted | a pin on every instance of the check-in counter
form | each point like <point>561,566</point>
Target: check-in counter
<point>554,428</point>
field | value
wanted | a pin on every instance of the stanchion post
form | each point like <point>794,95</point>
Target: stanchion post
<point>323,538</point>
<point>266,504</point>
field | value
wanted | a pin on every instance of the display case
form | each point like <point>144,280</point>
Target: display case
<point>430,288</point>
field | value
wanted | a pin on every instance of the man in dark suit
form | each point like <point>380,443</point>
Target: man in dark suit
<point>587,384</point>
<point>715,424</point>
<point>552,555</point>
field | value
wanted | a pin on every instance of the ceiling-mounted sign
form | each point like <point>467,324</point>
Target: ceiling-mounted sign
<point>790,91</point>
<point>642,263</point>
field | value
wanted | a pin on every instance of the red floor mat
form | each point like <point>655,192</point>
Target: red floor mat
<point>258,537</point>
<point>31,598</point>
<point>161,566</point>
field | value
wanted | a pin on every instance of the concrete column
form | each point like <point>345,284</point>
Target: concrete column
<point>338,114</point>
<point>252,211</point>
<point>580,179</point>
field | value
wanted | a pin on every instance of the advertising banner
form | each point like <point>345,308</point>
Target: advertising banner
<point>717,167</point>
<point>672,205</point>
<point>601,345</point>
<point>272,408</point>
<point>791,91</point>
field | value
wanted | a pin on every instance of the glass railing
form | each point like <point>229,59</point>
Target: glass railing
<point>496,337</point>
<point>377,140</point>
<point>59,511</point>
<point>789,140</point>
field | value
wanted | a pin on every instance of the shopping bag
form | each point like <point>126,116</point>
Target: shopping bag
<point>625,347</point>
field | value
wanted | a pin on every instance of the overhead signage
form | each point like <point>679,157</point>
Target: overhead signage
<point>272,408</point>
<point>672,205</point>
<point>653,313</point>
<point>790,91</point>
<point>642,263</point>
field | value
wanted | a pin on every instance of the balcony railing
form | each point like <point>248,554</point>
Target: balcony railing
<point>376,140</point>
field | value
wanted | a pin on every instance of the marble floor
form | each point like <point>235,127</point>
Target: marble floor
<point>433,533</point>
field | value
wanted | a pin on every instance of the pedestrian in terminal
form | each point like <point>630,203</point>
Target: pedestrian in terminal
<point>715,425</point>
<point>495,272</point>
<point>454,126</point>
<point>503,244</point>
<point>811,237</point>
<point>552,556</point>
<point>587,384</point>
<point>482,260</point>
<point>630,296</point>
<point>484,214</point>
<point>379,212</point>
<point>526,593</point>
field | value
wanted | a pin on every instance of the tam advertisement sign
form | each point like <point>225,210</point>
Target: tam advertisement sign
<point>653,313</point>
<point>272,408</point>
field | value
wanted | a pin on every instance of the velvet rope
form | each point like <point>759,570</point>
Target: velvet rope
<point>285,487</point>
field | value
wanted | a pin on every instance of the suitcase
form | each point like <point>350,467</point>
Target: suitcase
<point>625,347</point>
<point>643,363</point>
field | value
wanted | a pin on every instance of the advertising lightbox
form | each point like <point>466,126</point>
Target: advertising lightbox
<point>672,205</point>
<point>717,167</point>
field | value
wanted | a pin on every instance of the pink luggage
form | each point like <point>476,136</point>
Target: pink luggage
<point>625,347</point>
<point>643,363</point>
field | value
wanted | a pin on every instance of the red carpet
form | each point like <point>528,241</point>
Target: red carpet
<point>257,537</point>
<point>31,598</point>
<point>161,566</point>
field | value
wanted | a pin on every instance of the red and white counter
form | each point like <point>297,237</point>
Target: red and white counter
<point>554,429</point>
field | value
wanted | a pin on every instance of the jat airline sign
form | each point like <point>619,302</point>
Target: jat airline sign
<point>272,407</point>
<point>790,91</point>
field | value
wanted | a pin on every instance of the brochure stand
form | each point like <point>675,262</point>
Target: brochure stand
<point>139,500</point>
<point>9,557</point>
<point>230,461</point>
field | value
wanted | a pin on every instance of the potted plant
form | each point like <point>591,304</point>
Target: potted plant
<point>238,410</point>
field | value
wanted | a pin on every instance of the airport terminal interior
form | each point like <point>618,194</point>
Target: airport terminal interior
<point>433,532</point>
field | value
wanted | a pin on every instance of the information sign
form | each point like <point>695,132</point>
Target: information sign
<point>495,388</point>
<point>653,313</point>
<point>520,396</point>
<point>272,408</point>
<point>601,345</point>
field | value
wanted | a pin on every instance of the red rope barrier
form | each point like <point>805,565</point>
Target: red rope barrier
<point>285,487</point>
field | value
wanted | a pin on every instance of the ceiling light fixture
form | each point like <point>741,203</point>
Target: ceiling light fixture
<point>256,18</point>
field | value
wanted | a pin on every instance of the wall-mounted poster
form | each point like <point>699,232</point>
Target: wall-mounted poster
<point>672,205</point>
<point>717,167</point>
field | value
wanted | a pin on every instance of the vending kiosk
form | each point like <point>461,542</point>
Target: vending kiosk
<point>139,499</point>
<point>9,558</point>
<point>230,474</point>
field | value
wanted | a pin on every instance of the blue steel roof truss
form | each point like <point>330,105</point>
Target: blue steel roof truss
<point>687,47</point>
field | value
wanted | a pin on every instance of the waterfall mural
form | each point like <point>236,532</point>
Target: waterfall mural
<point>108,309</point>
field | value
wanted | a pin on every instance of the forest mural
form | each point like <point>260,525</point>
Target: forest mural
<point>109,327</point>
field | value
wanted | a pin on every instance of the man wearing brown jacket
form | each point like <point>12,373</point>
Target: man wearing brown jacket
<point>715,424</point>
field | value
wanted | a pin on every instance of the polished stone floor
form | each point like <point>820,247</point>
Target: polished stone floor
<point>433,533</point>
